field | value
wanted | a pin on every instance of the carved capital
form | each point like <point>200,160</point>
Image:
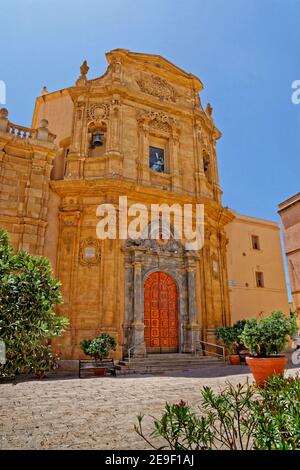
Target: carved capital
<point>69,219</point>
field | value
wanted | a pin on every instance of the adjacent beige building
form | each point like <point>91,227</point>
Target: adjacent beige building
<point>289,211</point>
<point>256,274</point>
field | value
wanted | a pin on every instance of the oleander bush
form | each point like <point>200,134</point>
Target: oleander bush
<point>241,417</point>
<point>28,293</point>
<point>278,415</point>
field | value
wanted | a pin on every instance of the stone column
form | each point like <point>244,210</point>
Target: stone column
<point>144,151</point>
<point>138,313</point>
<point>199,158</point>
<point>175,169</point>
<point>66,273</point>
<point>215,174</point>
<point>192,327</point>
<point>79,144</point>
<point>209,317</point>
<point>128,310</point>
<point>226,317</point>
<point>114,127</point>
<point>113,151</point>
<point>76,144</point>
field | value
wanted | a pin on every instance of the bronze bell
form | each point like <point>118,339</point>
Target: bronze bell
<point>97,139</point>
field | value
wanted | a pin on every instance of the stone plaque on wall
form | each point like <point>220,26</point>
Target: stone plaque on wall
<point>89,252</point>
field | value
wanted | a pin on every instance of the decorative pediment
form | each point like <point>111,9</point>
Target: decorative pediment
<point>158,120</point>
<point>155,64</point>
<point>156,86</point>
<point>157,246</point>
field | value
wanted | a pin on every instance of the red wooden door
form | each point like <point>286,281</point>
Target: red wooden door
<point>160,313</point>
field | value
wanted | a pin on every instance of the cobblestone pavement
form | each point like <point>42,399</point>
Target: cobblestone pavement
<point>97,413</point>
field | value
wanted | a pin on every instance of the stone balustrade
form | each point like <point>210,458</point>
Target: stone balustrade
<point>42,133</point>
<point>19,131</point>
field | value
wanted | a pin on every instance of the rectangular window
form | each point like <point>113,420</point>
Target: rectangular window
<point>259,279</point>
<point>157,159</point>
<point>255,242</point>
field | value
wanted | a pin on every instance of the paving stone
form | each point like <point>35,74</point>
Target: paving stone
<point>98,413</point>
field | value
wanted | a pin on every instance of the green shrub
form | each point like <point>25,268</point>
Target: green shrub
<point>230,336</point>
<point>27,322</point>
<point>100,347</point>
<point>241,417</point>
<point>269,335</point>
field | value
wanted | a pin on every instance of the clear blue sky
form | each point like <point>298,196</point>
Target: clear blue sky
<point>246,52</point>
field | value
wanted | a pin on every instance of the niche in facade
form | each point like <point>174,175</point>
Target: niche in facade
<point>158,153</point>
<point>97,136</point>
<point>207,166</point>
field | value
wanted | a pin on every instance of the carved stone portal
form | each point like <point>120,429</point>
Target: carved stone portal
<point>142,258</point>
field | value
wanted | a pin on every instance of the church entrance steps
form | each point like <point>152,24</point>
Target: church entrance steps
<point>156,363</point>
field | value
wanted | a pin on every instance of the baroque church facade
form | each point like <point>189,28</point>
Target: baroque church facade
<point>137,131</point>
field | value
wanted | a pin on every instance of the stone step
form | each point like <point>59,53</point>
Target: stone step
<point>157,369</point>
<point>170,360</point>
<point>168,365</point>
<point>155,363</point>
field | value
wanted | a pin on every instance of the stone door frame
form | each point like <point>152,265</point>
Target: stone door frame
<point>142,258</point>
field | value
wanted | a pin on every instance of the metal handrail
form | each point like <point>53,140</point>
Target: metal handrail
<point>130,349</point>
<point>223,355</point>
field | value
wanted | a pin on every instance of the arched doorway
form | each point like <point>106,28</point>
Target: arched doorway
<point>161,313</point>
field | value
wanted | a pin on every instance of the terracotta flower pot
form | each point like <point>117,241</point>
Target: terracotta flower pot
<point>100,371</point>
<point>263,367</point>
<point>234,359</point>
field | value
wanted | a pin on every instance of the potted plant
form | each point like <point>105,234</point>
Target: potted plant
<point>99,348</point>
<point>229,336</point>
<point>266,339</point>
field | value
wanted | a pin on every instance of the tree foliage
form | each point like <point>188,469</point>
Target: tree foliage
<point>27,321</point>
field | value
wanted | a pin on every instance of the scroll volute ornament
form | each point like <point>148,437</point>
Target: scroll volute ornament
<point>156,86</point>
<point>158,120</point>
<point>89,252</point>
<point>98,112</point>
